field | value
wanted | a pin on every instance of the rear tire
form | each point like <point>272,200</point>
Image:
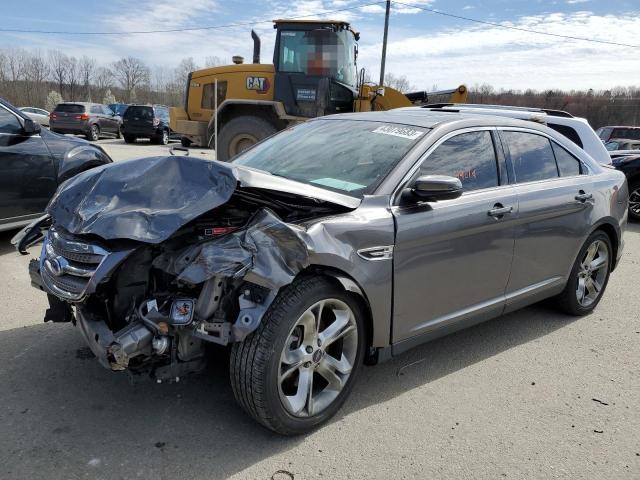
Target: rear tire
<point>274,369</point>
<point>129,139</point>
<point>634,201</point>
<point>162,139</point>
<point>185,142</point>
<point>94,133</point>
<point>589,276</point>
<point>241,133</point>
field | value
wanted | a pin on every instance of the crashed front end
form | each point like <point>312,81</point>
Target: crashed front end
<point>152,275</point>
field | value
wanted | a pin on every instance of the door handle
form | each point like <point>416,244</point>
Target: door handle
<point>583,197</point>
<point>498,211</point>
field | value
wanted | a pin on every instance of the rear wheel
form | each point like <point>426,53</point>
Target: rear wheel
<point>185,142</point>
<point>297,369</point>
<point>589,276</point>
<point>241,133</point>
<point>163,138</point>
<point>129,139</point>
<point>94,133</point>
<point>634,201</point>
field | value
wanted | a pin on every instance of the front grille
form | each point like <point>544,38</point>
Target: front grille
<point>68,263</point>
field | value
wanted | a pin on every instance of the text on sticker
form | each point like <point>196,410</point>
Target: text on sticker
<point>404,132</point>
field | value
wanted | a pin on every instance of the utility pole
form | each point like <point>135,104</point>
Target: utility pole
<point>384,42</point>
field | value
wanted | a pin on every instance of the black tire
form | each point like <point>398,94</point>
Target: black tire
<point>634,196</point>
<point>185,142</point>
<point>93,134</point>
<point>240,133</point>
<point>567,301</point>
<point>129,139</point>
<point>255,362</point>
<point>162,139</point>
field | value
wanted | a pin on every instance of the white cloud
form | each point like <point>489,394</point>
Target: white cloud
<point>573,2</point>
<point>514,59</point>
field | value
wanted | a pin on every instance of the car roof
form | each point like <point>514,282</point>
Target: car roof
<point>427,118</point>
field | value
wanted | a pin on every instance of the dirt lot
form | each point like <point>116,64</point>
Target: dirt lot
<point>535,394</point>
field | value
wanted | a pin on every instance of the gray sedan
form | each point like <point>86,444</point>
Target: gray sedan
<point>344,240</point>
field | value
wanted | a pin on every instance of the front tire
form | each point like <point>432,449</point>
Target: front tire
<point>129,139</point>
<point>241,133</point>
<point>297,369</point>
<point>589,276</point>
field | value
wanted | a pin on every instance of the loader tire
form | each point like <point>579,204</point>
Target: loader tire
<point>241,133</point>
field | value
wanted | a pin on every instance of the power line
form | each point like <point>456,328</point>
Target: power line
<point>186,29</point>
<point>500,25</point>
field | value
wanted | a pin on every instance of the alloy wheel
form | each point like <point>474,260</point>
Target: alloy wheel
<point>318,358</point>
<point>592,273</point>
<point>634,202</point>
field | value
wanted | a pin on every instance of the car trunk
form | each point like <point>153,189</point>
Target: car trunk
<point>68,116</point>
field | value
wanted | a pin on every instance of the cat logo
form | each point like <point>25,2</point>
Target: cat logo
<point>260,84</point>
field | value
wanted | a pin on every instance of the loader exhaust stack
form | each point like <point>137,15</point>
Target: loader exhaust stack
<point>256,47</point>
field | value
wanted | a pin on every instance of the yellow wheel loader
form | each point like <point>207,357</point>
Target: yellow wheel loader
<point>313,73</point>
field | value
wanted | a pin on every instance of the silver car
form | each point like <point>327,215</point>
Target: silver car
<point>344,240</point>
<point>38,115</point>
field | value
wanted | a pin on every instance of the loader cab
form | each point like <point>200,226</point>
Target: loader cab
<point>315,67</point>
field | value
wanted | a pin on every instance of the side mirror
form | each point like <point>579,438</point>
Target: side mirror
<point>431,188</point>
<point>30,127</point>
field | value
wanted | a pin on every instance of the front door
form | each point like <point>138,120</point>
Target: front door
<point>452,258</point>
<point>27,174</point>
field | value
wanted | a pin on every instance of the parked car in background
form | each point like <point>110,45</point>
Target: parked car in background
<point>575,129</point>
<point>92,120</point>
<point>344,238</point>
<point>622,144</point>
<point>628,162</point>
<point>37,115</point>
<point>146,121</point>
<point>608,133</point>
<point>33,162</point>
<point>119,108</point>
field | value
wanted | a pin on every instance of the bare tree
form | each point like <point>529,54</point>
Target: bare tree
<point>400,83</point>
<point>103,79</point>
<point>87,67</point>
<point>131,73</point>
<point>37,71</point>
<point>73,77</point>
<point>58,66</point>
<point>214,61</point>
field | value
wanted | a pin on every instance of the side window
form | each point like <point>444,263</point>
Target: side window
<point>531,156</point>
<point>106,110</point>
<point>208,93</point>
<point>9,123</point>
<point>568,132</point>
<point>469,156</point>
<point>568,165</point>
<point>96,109</point>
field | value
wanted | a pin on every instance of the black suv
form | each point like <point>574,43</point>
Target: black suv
<point>89,119</point>
<point>146,121</point>
<point>33,162</point>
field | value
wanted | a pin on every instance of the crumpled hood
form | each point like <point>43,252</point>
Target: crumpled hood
<point>149,199</point>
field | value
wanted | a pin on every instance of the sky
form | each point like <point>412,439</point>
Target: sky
<point>431,50</point>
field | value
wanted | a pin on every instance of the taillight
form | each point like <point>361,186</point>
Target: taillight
<point>156,121</point>
<point>52,116</point>
<point>84,116</point>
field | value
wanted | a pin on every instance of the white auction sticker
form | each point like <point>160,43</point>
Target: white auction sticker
<point>404,132</point>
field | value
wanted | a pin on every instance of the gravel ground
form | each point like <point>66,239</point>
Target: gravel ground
<point>534,394</point>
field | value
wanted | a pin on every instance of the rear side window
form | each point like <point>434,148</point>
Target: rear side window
<point>531,156</point>
<point>568,165</point>
<point>469,156</point>
<point>568,132</point>
<point>140,113</point>
<point>96,109</point>
<point>69,108</point>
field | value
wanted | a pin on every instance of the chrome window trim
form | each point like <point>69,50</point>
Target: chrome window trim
<point>393,198</point>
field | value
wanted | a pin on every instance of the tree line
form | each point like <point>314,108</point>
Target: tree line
<point>43,79</point>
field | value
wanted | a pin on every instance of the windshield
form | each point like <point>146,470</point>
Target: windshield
<point>320,52</point>
<point>346,156</point>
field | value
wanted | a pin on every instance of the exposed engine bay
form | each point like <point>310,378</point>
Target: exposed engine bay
<point>152,278</point>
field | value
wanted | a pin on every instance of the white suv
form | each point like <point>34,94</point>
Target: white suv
<point>575,129</point>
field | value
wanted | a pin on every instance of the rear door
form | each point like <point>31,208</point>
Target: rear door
<point>555,198</point>
<point>27,173</point>
<point>110,119</point>
<point>452,258</point>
